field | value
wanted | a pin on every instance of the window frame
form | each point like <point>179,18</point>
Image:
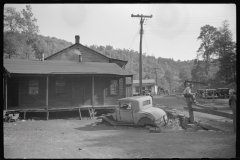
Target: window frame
<point>33,89</point>
<point>59,88</point>
<point>110,88</point>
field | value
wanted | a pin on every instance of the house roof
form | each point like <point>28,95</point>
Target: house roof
<point>26,66</point>
<point>145,82</point>
<point>86,48</point>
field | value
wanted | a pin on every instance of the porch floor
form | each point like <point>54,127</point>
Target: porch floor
<point>59,108</point>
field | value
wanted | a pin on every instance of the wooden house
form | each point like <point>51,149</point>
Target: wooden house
<point>74,78</point>
<point>147,84</point>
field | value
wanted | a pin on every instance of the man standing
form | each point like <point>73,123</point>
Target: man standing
<point>188,94</point>
<point>189,99</point>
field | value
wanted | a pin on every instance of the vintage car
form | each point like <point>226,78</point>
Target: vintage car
<point>223,92</point>
<point>200,93</point>
<point>210,93</point>
<point>137,110</point>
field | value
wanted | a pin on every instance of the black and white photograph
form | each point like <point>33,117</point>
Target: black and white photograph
<point>119,80</point>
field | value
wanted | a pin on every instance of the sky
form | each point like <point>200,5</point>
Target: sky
<point>172,31</point>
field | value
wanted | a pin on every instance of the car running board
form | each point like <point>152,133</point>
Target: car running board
<point>115,123</point>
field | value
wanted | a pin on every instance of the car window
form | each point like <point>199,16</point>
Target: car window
<point>125,105</point>
<point>146,102</point>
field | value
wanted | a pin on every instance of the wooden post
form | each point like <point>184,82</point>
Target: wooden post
<point>124,86</point>
<point>80,116</point>
<point>132,86</point>
<point>233,104</point>
<point>213,98</point>
<point>5,95</point>
<point>190,109</point>
<point>104,92</point>
<point>24,115</point>
<point>47,97</point>
<point>92,91</point>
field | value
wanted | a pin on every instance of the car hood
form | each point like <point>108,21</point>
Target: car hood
<point>156,112</point>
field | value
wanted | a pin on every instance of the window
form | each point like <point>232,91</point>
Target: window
<point>114,87</point>
<point>149,87</point>
<point>33,87</point>
<point>137,89</point>
<point>125,106</point>
<point>60,86</point>
<point>146,102</point>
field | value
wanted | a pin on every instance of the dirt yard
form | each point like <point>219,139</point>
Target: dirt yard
<point>73,138</point>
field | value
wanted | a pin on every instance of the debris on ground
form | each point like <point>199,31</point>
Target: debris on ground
<point>9,116</point>
<point>155,130</point>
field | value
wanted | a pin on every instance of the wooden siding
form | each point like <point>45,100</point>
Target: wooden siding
<point>87,55</point>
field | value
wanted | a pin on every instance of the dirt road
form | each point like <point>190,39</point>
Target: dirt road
<point>73,138</point>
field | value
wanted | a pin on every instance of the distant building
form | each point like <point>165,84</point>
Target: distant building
<point>147,84</point>
<point>196,85</point>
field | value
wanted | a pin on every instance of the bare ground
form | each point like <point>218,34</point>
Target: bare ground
<point>73,138</point>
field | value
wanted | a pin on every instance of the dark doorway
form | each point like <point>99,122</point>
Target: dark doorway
<point>13,92</point>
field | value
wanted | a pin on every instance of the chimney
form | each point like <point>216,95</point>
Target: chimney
<point>42,57</point>
<point>77,38</point>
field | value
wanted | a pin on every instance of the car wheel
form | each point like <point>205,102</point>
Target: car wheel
<point>145,121</point>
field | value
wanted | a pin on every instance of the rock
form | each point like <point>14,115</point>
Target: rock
<point>155,130</point>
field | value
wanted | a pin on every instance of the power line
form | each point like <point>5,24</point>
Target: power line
<point>146,43</point>
<point>117,41</point>
<point>196,18</point>
<point>133,40</point>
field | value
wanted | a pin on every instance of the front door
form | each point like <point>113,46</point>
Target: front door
<point>78,93</point>
<point>13,92</point>
<point>126,113</point>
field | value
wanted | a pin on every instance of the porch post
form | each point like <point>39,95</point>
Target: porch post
<point>92,91</point>
<point>47,97</point>
<point>5,95</point>
<point>103,83</point>
<point>132,86</point>
<point>124,86</point>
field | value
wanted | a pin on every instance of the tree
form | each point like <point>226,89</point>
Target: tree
<point>207,49</point>
<point>185,74</point>
<point>30,26</point>
<point>13,22</point>
<point>169,74</point>
<point>227,54</point>
<point>39,47</point>
<point>19,31</point>
<point>198,73</point>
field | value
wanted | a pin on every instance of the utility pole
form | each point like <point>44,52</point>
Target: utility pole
<point>140,57</point>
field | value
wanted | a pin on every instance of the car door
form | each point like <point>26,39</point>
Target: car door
<point>126,112</point>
